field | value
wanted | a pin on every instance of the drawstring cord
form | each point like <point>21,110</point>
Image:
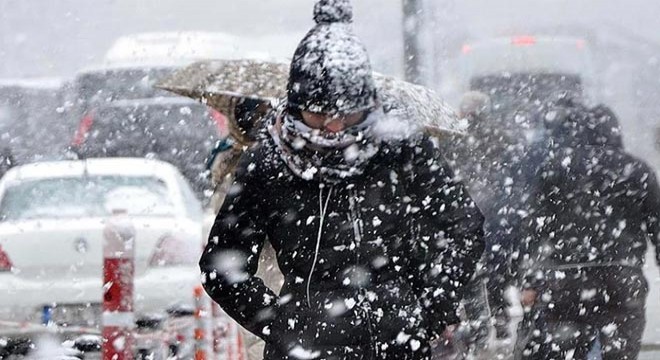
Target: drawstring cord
<point>323,208</point>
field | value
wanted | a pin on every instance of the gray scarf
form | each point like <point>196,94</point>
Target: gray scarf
<point>330,157</point>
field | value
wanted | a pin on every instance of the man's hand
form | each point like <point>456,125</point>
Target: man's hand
<point>528,297</point>
<point>448,334</point>
<point>446,338</point>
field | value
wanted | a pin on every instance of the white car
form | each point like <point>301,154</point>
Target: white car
<point>52,216</point>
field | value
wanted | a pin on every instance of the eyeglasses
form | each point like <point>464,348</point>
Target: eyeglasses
<point>332,123</point>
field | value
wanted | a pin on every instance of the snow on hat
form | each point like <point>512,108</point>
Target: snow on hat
<point>331,72</point>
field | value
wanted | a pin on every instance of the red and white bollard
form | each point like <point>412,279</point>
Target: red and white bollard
<point>199,333</point>
<point>118,271</point>
<point>219,328</point>
<point>236,347</point>
<point>228,341</point>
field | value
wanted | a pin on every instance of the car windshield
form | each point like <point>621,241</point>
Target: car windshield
<point>121,84</point>
<point>176,132</point>
<point>93,196</point>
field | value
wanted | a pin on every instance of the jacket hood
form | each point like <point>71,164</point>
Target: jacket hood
<point>571,123</point>
<point>604,127</point>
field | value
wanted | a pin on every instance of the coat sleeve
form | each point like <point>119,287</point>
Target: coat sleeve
<point>450,235</point>
<point>543,201</point>
<point>231,256</point>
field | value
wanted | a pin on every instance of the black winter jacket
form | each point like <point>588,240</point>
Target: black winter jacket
<point>595,205</point>
<point>373,266</point>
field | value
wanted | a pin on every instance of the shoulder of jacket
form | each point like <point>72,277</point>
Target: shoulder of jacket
<point>423,155</point>
<point>262,160</point>
<point>644,169</point>
<point>421,146</point>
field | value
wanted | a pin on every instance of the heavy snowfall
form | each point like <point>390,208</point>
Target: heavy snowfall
<point>329,179</point>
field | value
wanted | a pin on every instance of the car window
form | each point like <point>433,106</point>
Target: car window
<point>180,134</point>
<point>120,84</point>
<point>85,197</point>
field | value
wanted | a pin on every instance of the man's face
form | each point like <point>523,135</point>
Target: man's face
<point>332,123</point>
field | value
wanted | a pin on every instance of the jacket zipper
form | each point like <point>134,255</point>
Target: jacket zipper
<point>356,221</point>
<point>323,209</point>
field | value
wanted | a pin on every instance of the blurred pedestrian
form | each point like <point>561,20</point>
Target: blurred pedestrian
<point>596,208</point>
<point>375,236</point>
<point>484,160</point>
<point>244,118</point>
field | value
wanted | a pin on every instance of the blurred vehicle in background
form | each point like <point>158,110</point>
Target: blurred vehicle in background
<point>117,105</point>
<point>117,111</point>
<point>522,73</point>
<point>31,123</point>
<point>180,48</point>
<point>177,130</point>
<point>52,216</point>
<point>98,86</point>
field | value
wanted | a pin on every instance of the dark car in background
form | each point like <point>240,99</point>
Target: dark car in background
<point>521,74</point>
<point>96,87</point>
<point>32,126</point>
<point>115,110</point>
<point>176,130</point>
<point>119,113</point>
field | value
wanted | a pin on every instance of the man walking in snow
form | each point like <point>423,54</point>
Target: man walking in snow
<point>374,236</point>
<point>485,161</point>
<point>596,209</point>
